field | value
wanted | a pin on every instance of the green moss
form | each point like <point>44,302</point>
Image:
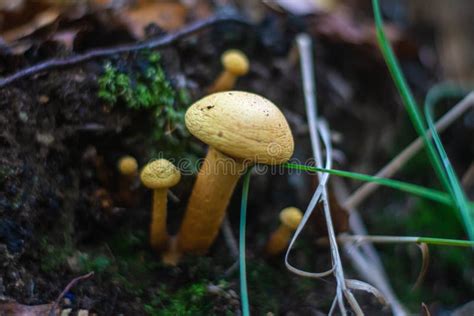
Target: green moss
<point>54,256</point>
<point>143,89</point>
<point>426,218</point>
<point>191,300</point>
<point>98,263</point>
<point>140,84</point>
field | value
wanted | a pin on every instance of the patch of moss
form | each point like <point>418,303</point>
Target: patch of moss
<point>143,85</point>
<point>432,220</point>
<point>98,263</point>
<point>140,84</point>
<point>191,300</point>
<point>54,256</point>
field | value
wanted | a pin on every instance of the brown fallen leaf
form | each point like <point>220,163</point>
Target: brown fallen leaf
<point>169,16</point>
<point>303,7</point>
<point>16,309</point>
<point>42,19</point>
<point>340,26</point>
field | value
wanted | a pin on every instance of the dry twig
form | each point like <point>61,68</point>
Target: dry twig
<point>66,289</point>
<point>396,163</point>
<point>162,41</point>
<point>305,49</point>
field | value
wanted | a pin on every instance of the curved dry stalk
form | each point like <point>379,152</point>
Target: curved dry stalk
<point>359,239</point>
<point>364,257</point>
<point>399,161</point>
<point>304,47</point>
<point>425,262</point>
<point>366,287</point>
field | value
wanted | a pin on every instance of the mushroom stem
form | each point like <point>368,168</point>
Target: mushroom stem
<point>225,81</point>
<point>158,233</point>
<point>290,218</point>
<point>206,208</point>
<point>159,175</point>
<point>278,240</point>
<point>172,254</point>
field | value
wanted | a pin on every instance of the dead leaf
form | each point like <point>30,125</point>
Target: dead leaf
<point>366,287</point>
<point>41,20</point>
<point>303,7</point>
<point>425,262</point>
<point>424,310</point>
<point>167,15</point>
<point>341,26</point>
<point>16,309</point>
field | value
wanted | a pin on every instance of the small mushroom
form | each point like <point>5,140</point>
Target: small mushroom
<point>235,65</point>
<point>159,175</point>
<point>241,129</point>
<point>290,218</point>
<point>128,168</point>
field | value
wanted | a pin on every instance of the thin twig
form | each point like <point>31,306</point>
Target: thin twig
<point>396,163</point>
<point>229,238</point>
<point>66,289</point>
<point>162,41</point>
<point>365,258</point>
<point>305,50</point>
<point>358,239</point>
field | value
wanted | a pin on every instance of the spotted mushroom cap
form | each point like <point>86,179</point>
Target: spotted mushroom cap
<point>235,62</point>
<point>291,217</point>
<point>127,165</point>
<point>160,174</point>
<point>242,125</point>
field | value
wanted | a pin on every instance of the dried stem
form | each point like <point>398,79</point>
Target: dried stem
<point>66,289</point>
<point>305,50</point>
<point>396,163</point>
<point>365,258</point>
<point>229,238</point>
<point>358,239</point>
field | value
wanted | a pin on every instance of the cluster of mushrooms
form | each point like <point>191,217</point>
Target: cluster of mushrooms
<point>241,129</point>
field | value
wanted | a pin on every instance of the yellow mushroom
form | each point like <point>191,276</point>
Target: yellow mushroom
<point>290,218</point>
<point>235,65</point>
<point>128,166</point>
<point>159,175</point>
<point>241,129</point>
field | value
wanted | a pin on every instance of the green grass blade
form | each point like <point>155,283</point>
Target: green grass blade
<point>457,193</point>
<point>407,97</point>
<point>244,298</point>
<point>431,194</point>
<point>446,242</point>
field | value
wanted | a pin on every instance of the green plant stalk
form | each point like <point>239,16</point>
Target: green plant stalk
<point>244,298</point>
<point>431,194</point>
<point>407,97</point>
<point>460,199</point>
<point>406,239</point>
<point>446,242</point>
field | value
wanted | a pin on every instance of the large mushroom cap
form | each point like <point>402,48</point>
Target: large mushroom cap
<point>160,174</point>
<point>291,217</point>
<point>235,62</point>
<point>242,125</point>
